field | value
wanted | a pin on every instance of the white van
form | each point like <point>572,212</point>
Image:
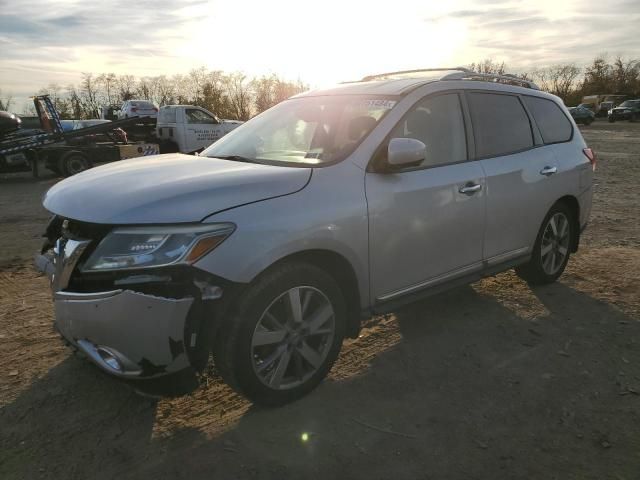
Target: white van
<point>188,129</point>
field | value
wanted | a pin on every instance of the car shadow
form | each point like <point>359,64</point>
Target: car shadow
<point>471,390</point>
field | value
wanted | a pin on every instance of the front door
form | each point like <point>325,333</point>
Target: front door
<point>201,130</point>
<point>426,223</point>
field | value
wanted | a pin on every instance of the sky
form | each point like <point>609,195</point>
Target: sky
<point>318,42</point>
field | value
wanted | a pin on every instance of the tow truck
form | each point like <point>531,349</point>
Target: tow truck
<point>65,153</point>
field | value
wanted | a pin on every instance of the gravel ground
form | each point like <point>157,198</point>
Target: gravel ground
<point>492,380</point>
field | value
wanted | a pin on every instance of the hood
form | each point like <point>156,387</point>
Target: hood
<point>172,188</point>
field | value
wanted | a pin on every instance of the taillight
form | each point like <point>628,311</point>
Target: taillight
<point>155,109</point>
<point>591,155</point>
<point>134,109</point>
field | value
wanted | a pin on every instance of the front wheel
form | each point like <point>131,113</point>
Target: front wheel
<point>552,248</point>
<point>283,335</point>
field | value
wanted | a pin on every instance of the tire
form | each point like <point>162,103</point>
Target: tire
<point>266,355</point>
<point>73,163</point>
<point>545,265</point>
<point>588,122</point>
<point>611,119</point>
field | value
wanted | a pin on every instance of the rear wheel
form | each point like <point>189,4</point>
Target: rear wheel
<point>73,163</point>
<point>283,335</point>
<point>552,248</point>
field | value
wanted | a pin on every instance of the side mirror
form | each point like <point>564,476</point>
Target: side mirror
<point>405,152</point>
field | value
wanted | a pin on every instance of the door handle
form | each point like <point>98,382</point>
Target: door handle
<point>547,171</point>
<point>470,188</point>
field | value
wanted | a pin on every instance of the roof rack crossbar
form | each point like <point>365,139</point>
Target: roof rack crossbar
<point>419,70</point>
<point>490,77</point>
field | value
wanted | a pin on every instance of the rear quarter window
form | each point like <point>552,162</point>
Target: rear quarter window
<point>553,124</point>
<point>500,124</point>
<point>167,115</point>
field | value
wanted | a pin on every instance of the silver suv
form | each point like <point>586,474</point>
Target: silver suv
<point>270,247</point>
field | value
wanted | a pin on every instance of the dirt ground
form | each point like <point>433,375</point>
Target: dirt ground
<point>493,380</point>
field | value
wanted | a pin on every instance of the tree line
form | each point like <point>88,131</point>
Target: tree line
<point>571,83</point>
<point>237,96</point>
<point>229,95</point>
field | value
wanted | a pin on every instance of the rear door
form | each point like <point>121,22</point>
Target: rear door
<point>426,223</point>
<point>201,129</point>
<point>520,173</point>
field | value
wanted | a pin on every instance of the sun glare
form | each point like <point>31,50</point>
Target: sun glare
<point>320,44</point>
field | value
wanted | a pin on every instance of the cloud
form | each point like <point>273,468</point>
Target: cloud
<point>45,41</point>
<point>529,34</point>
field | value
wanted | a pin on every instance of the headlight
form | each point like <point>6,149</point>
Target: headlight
<point>143,247</point>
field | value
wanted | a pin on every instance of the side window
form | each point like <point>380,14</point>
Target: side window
<point>198,116</point>
<point>167,115</point>
<point>500,124</point>
<point>553,124</point>
<point>438,123</point>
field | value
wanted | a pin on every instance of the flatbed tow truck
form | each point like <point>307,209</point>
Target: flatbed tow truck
<point>66,153</point>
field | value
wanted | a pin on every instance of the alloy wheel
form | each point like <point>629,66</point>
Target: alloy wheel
<point>293,338</point>
<point>555,243</point>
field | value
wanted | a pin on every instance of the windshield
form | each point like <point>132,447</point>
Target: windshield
<point>629,103</point>
<point>306,131</point>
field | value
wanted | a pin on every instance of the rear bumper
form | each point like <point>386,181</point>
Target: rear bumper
<point>127,334</point>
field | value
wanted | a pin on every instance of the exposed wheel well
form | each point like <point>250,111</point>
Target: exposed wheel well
<point>342,272</point>
<point>572,203</point>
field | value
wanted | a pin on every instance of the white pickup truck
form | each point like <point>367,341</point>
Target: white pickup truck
<point>189,129</point>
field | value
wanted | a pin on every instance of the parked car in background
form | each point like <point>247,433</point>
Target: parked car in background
<point>188,129</point>
<point>582,115</point>
<point>603,111</point>
<point>332,206</point>
<point>627,110</point>
<point>138,108</point>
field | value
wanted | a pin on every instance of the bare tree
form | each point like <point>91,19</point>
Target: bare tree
<point>597,76</point>
<point>108,82</point>
<point>271,90</point>
<point>77,109</point>
<point>558,79</point>
<point>488,65</point>
<point>89,95</point>
<point>126,85</point>
<point>238,89</point>
<point>165,90</point>
<point>625,76</point>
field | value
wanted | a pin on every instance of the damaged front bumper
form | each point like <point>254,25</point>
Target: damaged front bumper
<point>126,333</point>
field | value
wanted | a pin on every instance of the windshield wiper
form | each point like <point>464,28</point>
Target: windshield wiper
<point>236,158</point>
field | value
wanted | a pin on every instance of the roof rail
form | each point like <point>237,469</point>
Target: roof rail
<point>420,70</point>
<point>507,78</point>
